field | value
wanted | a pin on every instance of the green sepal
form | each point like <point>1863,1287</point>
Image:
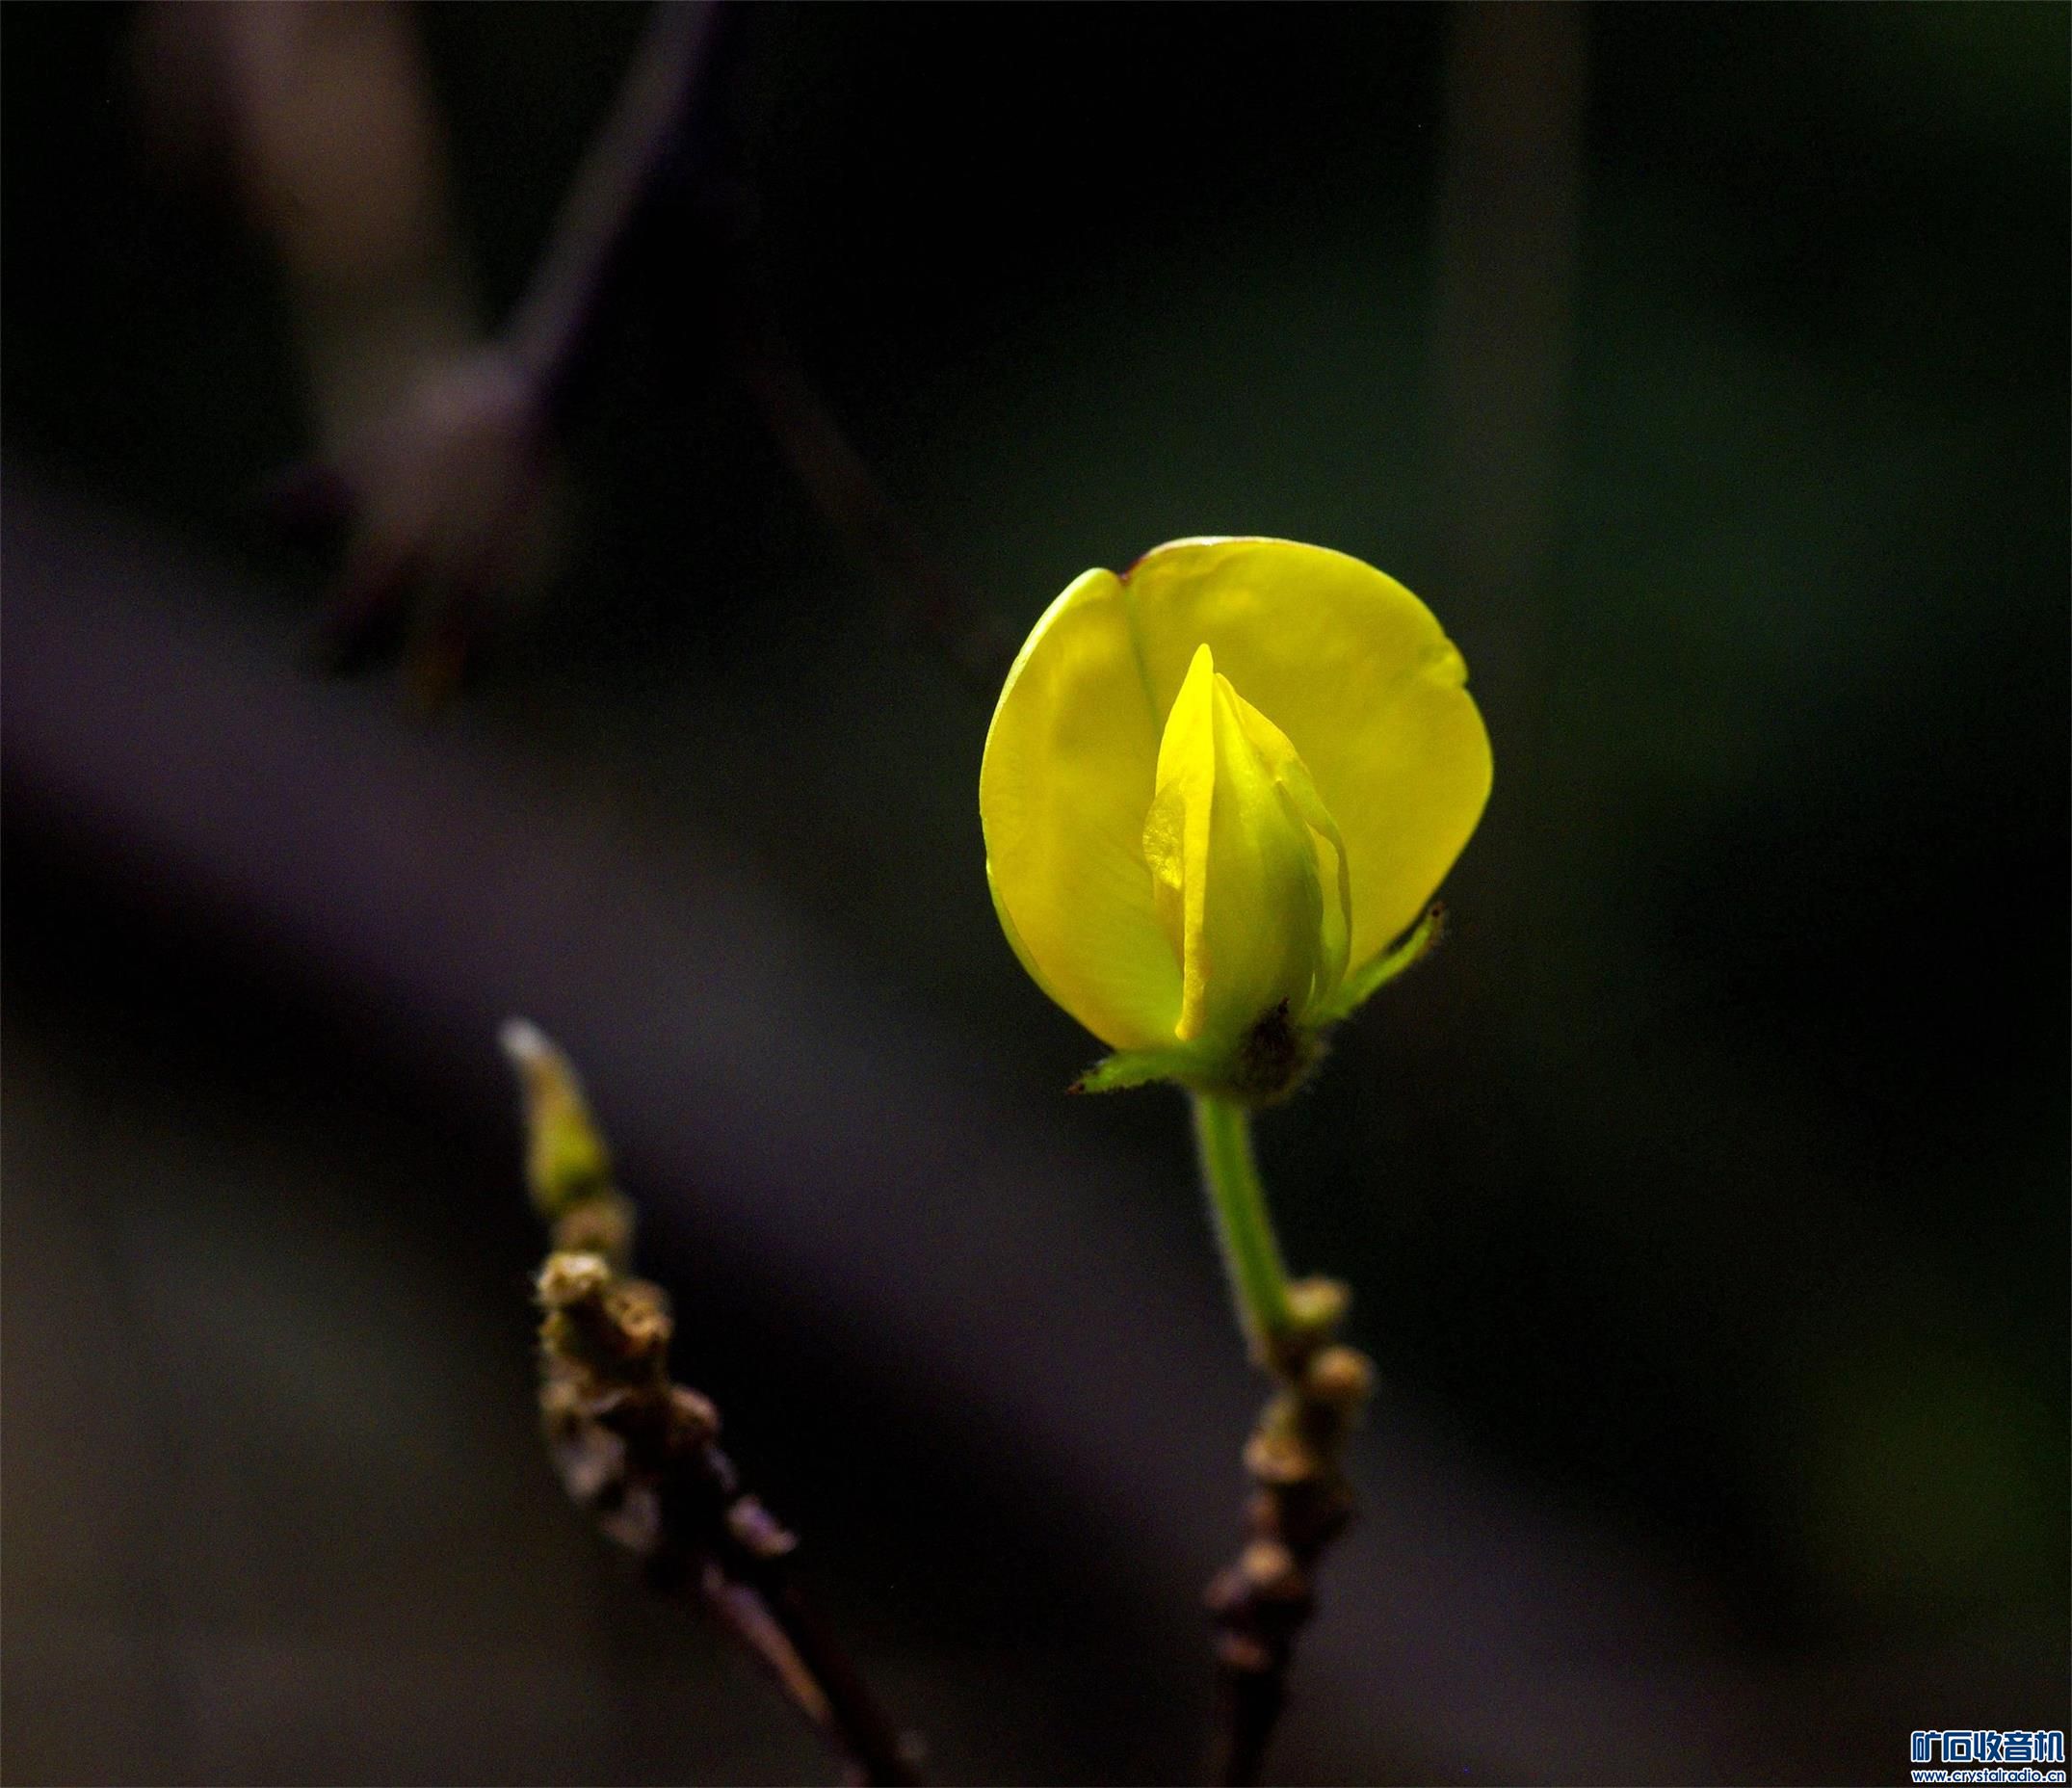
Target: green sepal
<point>1275,1057</point>
<point>1140,1068</point>
<point>1363,983</point>
<point>1267,1064</point>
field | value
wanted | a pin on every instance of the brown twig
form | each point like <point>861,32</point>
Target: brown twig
<point>593,233</point>
<point>656,111</point>
<point>641,1452</point>
<point>931,603</point>
<point>1302,1501</point>
<point>1507,258</point>
<point>463,460</point>
<point>467,447</point>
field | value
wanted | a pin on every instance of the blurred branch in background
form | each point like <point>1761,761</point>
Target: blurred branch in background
<point>1509,207</point>
<point>641,1452</point>
<point>930,604</point>
<point>432,451</point>
<point>322,118</point>
<point>650,122</point>
<point>435,447</point>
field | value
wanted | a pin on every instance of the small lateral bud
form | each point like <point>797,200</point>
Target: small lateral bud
<point>693,1419</point>
<point>1266,1564</point>
<point>1340,1377</point>
<point>566,1159</point>
<point>568,1279</point>
<point>1277,1458</point>
<point>759,1531</point>
<point>639,1312</point>
<point>1317,1306</point>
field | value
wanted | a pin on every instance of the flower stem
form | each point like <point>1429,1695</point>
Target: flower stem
<point>1258,1279</point>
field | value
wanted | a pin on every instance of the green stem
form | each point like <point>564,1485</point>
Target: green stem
<point>1258,1280</point>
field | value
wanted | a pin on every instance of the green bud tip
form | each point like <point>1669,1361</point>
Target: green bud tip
<point>565,1158</point>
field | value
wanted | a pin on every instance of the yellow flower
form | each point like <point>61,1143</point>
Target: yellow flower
<point>1216,790</point>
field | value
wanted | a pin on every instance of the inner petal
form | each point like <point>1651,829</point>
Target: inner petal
<point>1249,872</point>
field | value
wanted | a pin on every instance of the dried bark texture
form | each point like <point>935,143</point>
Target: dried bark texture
<point>1302,1501</point>
<point>641,1452</point>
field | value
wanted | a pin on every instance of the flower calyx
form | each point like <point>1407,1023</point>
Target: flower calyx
<point>1274,1057</point>
<point>1219,791</point>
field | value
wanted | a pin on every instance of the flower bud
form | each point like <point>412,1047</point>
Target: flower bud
<point>1234,864</point>
<point>565,1158</point>
<point>1176,870</point>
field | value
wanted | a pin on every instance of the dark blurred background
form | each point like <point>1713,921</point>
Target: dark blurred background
<point>1705,1199</point>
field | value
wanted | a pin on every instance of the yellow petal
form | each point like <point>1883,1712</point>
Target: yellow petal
<point>1362,680</point>
<point>1291,776</point>
<point>1233,867</point>
<point>1062,792</point>
<point>1014,937</point>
